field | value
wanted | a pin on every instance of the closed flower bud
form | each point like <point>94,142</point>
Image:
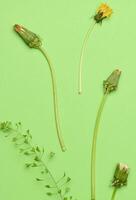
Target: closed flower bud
<point>30,38</point>
<point>120,175</point>
<point>111,83</point>
<point>103,12</point>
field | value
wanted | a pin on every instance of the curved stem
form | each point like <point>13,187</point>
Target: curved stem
<point>82,55</point>
<point>55,101</point>
<point>114,194</point>
<point>93,152</point>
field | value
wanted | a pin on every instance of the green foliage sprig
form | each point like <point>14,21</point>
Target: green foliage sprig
<point>35,154</point>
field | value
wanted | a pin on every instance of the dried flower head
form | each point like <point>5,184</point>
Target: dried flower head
<point>33,41</point>
<point>111,83</point>
<point>103,12</point>
<point>120,175</point>
<point>30,38</point>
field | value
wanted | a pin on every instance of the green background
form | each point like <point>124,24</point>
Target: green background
<point>26,96</point>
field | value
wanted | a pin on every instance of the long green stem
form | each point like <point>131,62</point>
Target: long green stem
<point>93,151</point>
<point>55,100</point>
<point>114,194</point>
<point>82,56</point>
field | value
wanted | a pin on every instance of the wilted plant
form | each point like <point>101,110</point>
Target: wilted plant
<point>120,178</point>
<point>34,41</point>
<point>109,86</point>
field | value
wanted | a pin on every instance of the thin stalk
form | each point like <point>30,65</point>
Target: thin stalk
<point>53,180</point>
<point>43,165</point>
<point>114,194</point>
<point>93,151</point>
<point>55,100</point>
<point>91,28</point>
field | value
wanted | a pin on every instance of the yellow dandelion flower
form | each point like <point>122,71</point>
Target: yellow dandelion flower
<point>104,11</point>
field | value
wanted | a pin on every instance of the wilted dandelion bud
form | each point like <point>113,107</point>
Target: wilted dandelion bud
<point>30,38</point>
<point>33,41</point>
<point>111,83</point>
<point>103,12</point>
<point>120,175</point>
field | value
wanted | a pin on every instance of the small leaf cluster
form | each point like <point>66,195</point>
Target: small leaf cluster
<point>23,141</point>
